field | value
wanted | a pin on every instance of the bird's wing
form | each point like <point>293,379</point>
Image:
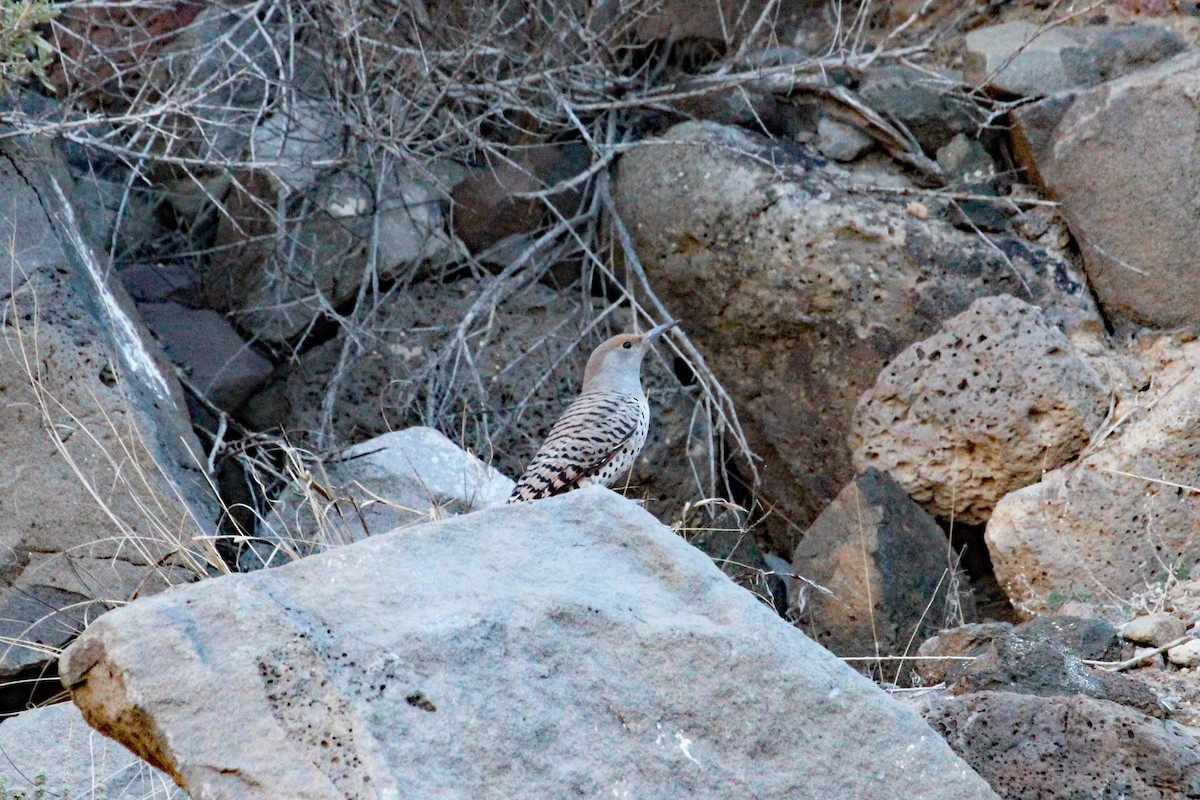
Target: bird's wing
<point>589,434</point>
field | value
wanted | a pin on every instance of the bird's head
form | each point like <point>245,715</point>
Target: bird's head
<point>617,363</point>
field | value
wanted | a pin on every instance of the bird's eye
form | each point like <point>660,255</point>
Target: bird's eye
<point>627,345</point>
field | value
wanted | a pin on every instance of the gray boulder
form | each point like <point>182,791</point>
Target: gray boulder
<point>103,497</point>
<point>572,646</point>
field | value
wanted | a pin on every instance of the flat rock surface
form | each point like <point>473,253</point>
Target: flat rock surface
<point>568,647</point>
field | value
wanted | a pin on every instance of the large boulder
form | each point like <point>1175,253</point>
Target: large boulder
<point>53,750</point>
<point>1133,209</point>
<point>983,407</point>
<point>1122,518</point>
<point>103,498</point>
<point>572,646</point>
<point>800,285</point>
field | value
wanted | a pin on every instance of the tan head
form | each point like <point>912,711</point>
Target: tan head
<point>617,363</point>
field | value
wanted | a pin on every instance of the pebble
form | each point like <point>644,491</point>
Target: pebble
<point>1154,630</point>
<point>1186,654</point>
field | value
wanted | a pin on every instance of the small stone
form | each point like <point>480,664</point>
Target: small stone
<point>1154,630</point>
<point>841,142</point>
<point>1186,654</point>
<point>917,209</point>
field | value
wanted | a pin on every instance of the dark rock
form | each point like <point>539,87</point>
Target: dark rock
<point>1088,638</point>
<point>885,560</point>
<point>1043,657</point>
<point>934,109</point>
<point>1068,748</point>
<point>219,362</point>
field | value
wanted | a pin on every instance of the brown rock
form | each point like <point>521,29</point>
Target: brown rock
<point>886,563</point>
<point>981,408</point>
<point>1132,209</point>
<point>1119,520</point>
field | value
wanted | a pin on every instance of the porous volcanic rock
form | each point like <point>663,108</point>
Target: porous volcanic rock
<point>1123,517</point>
<point>981,408</point>
<point>1068,748</point>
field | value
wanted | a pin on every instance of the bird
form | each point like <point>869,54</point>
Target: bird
<point>602,431</point>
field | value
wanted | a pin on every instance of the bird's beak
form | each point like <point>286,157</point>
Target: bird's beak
<point>657,331</point>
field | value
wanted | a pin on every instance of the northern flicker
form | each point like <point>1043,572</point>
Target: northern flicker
<point>601,433</point>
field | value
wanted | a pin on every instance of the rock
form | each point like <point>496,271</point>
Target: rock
<point>54,750</point>
<point>966,160</point>
<point>1068,747</point>
<point>1108,526</point>
<point>932,107</point>
<point>1131,209</point>
<point>102,498</point>
<point>940,655</point>
<point>840,141</point>
<point>1153,630</point>
<point>799,290</point>
<point>295,138</point>
<point>978,410</point>
<point>887,564</point>
<point>219,362</point>
<point>1086,637</point>
<point>1033,127</point>
<point>486,208</point>
<point>1043,657</point>
<point>275,285</point>
<point>1025,59</point>
<point>393,480</point>
<point>370,671</point>
<point>1186,654</point>
<point>525,364</point>
<point>176,282</point>
<point>1019,58</point>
